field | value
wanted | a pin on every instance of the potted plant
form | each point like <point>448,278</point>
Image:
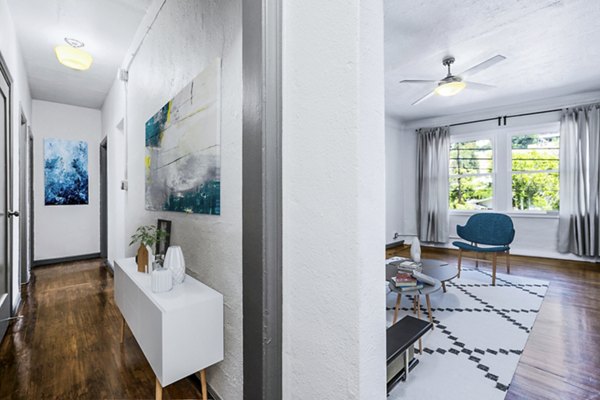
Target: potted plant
<point>147,236</point>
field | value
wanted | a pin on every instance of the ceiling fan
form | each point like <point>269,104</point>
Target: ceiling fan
<point>454,84</point>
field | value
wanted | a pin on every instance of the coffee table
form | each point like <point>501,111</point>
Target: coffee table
<point>439,270</point>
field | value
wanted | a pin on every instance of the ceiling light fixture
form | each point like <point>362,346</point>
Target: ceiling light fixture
<point>450,88</point>
<point>71,55</point>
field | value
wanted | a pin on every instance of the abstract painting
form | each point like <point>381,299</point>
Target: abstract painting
<point>65,172</point>
<point>183,149</point>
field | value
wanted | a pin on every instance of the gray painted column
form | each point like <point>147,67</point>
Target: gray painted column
<point>262,199</point>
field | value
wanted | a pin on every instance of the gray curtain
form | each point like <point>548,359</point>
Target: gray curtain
<point>579,226</point>
<point>433,147</point>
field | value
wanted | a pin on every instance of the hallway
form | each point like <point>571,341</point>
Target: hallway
<point>67,344</point>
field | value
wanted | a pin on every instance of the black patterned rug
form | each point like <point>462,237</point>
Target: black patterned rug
<point>480,333</point>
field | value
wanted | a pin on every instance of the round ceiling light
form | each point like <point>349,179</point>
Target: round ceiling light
<point>71,55</point>
<point>450,88</point>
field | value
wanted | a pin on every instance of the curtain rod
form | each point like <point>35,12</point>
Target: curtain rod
<point>502,120</point>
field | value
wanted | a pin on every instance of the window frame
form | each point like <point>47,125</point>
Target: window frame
<point>501,139</point>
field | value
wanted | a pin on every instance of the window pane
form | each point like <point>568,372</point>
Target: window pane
<point>535,152</point>
<point>471,193</point>
<point>535,191</point>
<point>471,157</point>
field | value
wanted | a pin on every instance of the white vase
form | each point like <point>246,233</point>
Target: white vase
<point>162,280</point>
<point>175,262</point>
<point>415,250</point>
<point>150,259</point>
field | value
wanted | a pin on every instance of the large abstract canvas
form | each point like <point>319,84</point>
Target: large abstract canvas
<point>183,149</point>
<point>65,172</point>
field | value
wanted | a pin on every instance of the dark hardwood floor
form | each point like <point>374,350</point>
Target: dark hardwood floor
<point>562,356</point>
<point>67,345</point>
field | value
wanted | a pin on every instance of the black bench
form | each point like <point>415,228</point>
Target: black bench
<point>400,338</point>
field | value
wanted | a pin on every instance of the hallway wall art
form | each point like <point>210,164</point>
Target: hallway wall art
<point>183,148</point>
<point>65,172</point>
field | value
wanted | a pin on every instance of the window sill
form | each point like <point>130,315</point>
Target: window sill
<point>513,214</point>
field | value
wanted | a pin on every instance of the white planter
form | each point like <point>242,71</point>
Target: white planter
<point>175,262</point>
<point>162,280</point>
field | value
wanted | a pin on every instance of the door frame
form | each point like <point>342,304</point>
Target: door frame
<point>5,74</point>
<point>25,183</point>
<point>103,151</point>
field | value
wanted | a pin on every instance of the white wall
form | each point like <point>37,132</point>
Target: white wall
<point>186,36</point>
<point>21,99</point>
<point>69,230</point>
<point>333,200</point>
<point>536,235</point>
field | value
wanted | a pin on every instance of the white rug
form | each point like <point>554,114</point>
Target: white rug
<point>480,333</point>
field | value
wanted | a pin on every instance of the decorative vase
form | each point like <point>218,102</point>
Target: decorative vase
<point>415,250</point>
<point>175,262</point>
<point>149,265</point>
<point>142,258</point>
<point>162,280</point>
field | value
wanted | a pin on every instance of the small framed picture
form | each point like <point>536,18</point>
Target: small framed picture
<point>163,244</point>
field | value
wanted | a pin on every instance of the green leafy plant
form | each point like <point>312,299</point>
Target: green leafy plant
<point>148,235</point>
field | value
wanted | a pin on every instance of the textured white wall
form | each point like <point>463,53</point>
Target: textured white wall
<point>70,230</point>
<point>333,200</point>
<point>186,36</point>
<point>21,98</point>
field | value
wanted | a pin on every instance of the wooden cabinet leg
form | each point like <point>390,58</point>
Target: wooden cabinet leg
<point>398,300</point>
<point>203,382</point>
<point>122,329</point>
<point>158,393</point>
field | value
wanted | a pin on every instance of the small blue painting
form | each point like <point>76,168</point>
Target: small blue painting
<point>65,172</point>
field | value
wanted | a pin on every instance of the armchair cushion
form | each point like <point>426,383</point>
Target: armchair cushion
<point>469,247</point>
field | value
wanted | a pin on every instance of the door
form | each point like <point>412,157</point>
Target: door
<point>103,200</point>
<point>5,270</point>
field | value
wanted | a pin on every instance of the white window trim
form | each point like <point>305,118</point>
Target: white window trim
<point>501,139</point>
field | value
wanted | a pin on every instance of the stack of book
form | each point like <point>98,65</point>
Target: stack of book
<point>406,281</point>
<point>408,266</point>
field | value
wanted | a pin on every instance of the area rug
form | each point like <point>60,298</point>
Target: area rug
<point>480,333</point>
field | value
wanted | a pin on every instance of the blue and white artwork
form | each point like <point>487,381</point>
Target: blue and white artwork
<point>65,172</point>
<point>183,149</point>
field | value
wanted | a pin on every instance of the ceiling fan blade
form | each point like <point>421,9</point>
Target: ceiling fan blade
<point>417,81</point>
<point>479,86</point>
<point>422,99</point>
<point>482,66</point>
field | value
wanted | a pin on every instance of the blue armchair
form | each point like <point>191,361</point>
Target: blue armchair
<point>493,230</point>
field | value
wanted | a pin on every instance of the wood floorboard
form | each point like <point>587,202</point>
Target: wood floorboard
<point>67,345</point>
<point>561,359</point>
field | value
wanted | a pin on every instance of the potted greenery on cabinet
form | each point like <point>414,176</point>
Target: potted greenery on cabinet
<point>147,236</point>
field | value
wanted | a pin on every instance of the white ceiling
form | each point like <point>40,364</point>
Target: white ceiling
<point>105,26</point>
<point>552,49</point>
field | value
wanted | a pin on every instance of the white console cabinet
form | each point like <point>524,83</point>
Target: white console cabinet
<point>180,331</point>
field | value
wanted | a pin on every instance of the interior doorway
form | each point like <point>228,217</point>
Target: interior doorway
<point>25,199</point>
<point>103,199</point>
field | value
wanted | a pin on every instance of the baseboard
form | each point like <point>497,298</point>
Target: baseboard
<point>39,263</point>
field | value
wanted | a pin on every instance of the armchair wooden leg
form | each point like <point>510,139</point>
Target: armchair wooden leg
<point>508,261</point>
<point>398,300</point>
<point>459,261</point>
<point>494,257</point>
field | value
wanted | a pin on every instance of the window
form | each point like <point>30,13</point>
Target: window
<point>535,181</point>
<point>471,180</point>
<point>506,169</point>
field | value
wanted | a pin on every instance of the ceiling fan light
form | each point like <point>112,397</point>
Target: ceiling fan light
<point>73,57</point>
<point>450,88</point>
